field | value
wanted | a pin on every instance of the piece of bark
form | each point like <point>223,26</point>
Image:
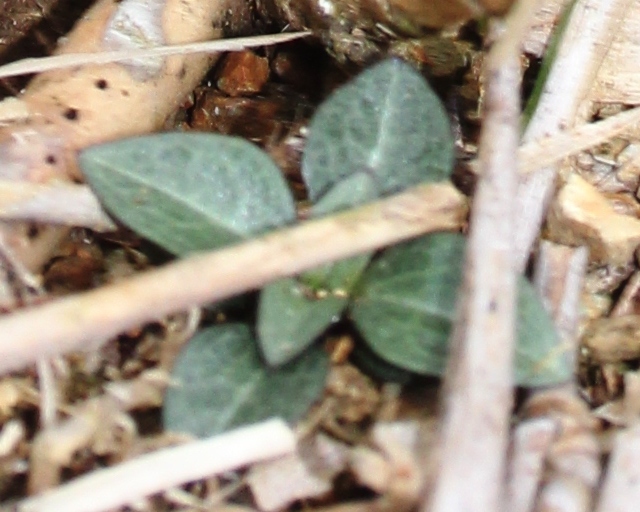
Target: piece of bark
<point>623,411</point>
<point>564,494</point>
<point>399,442</point>
<point>78,107</point>
<point>581,215</point>
<point>573,459</point>
<point>629,166</point>
<point>544,23</point>
<point>56,203</point>
<point>628,302</point>
<point>612,340</point>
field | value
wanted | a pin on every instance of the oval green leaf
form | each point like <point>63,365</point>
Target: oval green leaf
<point>406,306</point>
<point>388,123</point>
<point>222,383</point>
<point>189,191</point>
<point>291,316</point>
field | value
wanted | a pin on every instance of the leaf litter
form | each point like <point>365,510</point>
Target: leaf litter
<point>136,354</point>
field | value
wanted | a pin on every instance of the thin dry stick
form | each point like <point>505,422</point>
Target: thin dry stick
<point>75,205</point>
<point>546,151</point>
<point>529,447</point>
<point>72,323</point>
<point>38,65</point>
<point>478,383</point>
<point>48,393</point>
<point>120,485</point>
<point>559,280</point>
<point>584,44</point>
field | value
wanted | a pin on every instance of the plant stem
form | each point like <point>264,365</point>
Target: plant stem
<point>478,383</point>
<point>117,486</point>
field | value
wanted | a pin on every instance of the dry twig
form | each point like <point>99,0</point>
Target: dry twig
<point>88,319</point>
<point>530,445</point>
<point>117,486</point>
<point>474,431</point>
<point>39,65</point>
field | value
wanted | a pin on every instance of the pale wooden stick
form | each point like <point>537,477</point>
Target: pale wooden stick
<point>57,203</point>
<point>40,64</point>
<point>70,323</point>
<point>549,150</point>
<point>621,488</point>
<point>75,205</point>
<point>584,44</point>
<point>114,487</point>
<point>478,382</point>
<point>559,279</point>
<point>530,444</point>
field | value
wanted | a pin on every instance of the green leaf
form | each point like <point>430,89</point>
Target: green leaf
<point>291,316</point>
<point>223,383</point>
<point>406,307</point>
<point>356,188</point>
<point>189,191</point>
<point>293,312</point>
<point>387,123</point>
<point>374,366</point>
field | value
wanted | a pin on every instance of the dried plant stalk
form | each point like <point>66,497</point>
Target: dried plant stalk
<point>114,487</point>
<point>530,445</point>
<point>90,318</point>
<point>559,279</point>
<point>474,431</point>
<point>63,61</point>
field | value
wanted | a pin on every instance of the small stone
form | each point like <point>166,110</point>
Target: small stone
<point>243,73</point>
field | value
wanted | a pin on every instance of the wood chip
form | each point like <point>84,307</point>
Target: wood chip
<point>581,215</point>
